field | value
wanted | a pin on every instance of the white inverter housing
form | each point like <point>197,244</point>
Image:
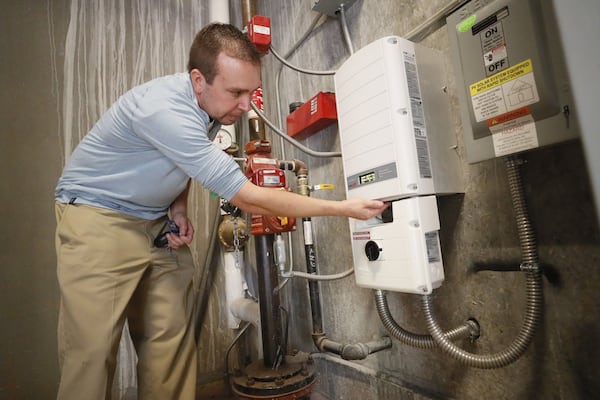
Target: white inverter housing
<point>393,114</point>
<point>397,145</point>
<point>402,254</point>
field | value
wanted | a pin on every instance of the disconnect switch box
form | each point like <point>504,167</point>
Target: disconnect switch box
<point>316,114</point>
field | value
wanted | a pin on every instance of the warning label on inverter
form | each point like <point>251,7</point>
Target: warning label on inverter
<point>503,92</point>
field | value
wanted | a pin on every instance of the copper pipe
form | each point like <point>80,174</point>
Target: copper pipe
<point>248,10</point>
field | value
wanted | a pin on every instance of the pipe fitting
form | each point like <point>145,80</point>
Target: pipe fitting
<point>360,351</point>
<point>356,351</point>
<point>530,267</point>
<point>227,232</point>
<point>474,329</point>
<point>300,168</point>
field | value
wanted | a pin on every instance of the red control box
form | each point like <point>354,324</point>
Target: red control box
<point>316,114</point>
<point>263,170</point>
<point>259,32</point>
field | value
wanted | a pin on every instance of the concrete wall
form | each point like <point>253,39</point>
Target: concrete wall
<point>30,164</point>
<point>561,363</point>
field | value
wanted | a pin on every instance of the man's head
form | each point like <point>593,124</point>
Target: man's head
<point>225,69</point>
<point>215,39</point>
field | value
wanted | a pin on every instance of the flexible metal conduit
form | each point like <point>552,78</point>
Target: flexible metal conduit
<point>469,329</point>
<point>534,288</point>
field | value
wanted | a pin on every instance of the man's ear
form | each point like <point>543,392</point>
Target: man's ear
<point>198,81</point>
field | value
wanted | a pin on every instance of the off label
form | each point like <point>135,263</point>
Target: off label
<point>505,91</point>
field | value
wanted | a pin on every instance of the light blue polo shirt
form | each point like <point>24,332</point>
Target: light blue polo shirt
<point>139,156</point>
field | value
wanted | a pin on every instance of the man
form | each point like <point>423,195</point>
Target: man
<point>124,180</point>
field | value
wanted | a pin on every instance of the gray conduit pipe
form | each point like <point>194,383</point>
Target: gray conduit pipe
<point>356,351</point>
<point>345,31</point>
<point>293,142</point>
<point>529,265</point>
<point>470,329</point>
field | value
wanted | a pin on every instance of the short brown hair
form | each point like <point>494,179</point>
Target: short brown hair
<point>214,39</point>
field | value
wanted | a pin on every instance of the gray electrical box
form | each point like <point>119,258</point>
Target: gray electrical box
<point>512,83</point>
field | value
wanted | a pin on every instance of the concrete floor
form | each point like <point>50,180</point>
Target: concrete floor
<point>218,391</point>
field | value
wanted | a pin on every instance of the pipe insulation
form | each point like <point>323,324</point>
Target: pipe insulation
<point>234,283</point>
<point>248,310</point>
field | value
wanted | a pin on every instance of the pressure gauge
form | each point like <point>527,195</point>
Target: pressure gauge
<point>223,139</point>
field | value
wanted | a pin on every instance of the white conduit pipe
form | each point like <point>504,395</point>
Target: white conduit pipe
<point>218,11</point>
<point>313,277</point>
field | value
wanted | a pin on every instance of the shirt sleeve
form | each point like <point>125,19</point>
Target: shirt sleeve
<point>178,130</point>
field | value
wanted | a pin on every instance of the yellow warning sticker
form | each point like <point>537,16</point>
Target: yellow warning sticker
<point>501,77</point>
<point>504,92</point>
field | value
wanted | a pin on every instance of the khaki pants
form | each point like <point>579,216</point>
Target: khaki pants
<point>108,270</point>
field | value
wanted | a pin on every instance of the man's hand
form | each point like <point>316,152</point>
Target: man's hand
<point>186,231</point>
<point>363,208</point>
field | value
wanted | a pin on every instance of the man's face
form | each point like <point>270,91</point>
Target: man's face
<point>229,95</point>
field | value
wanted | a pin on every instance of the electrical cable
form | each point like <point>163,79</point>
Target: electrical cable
<point>345,30</point>
<point>292,141</point>
<point>314,277</point>
<point>295,68</point>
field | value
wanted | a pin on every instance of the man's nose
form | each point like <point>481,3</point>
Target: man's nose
<point>244,103</point>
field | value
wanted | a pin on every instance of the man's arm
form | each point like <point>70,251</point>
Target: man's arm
<point>267,201</point>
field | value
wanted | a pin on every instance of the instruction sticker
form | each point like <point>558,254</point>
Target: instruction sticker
<point>514,131</point>
<point>361,235</point>
<point>505,91</point>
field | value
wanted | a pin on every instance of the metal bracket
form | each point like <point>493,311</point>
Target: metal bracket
<point>331,7</point>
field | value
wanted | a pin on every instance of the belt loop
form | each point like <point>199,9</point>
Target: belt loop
<point>72,201</point>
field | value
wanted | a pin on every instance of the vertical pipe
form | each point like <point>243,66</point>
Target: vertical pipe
<point>218,11</point>
<point>270,313</point>
<point>301,171</point>
<point>248,10</point>
<point>313,286</point>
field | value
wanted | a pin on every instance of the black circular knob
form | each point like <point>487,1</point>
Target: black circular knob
<point>372,250</point>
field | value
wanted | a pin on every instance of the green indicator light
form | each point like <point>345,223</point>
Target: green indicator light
<point>466,24</point>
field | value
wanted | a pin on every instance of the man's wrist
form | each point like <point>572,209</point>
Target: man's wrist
<point>176,213</point>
